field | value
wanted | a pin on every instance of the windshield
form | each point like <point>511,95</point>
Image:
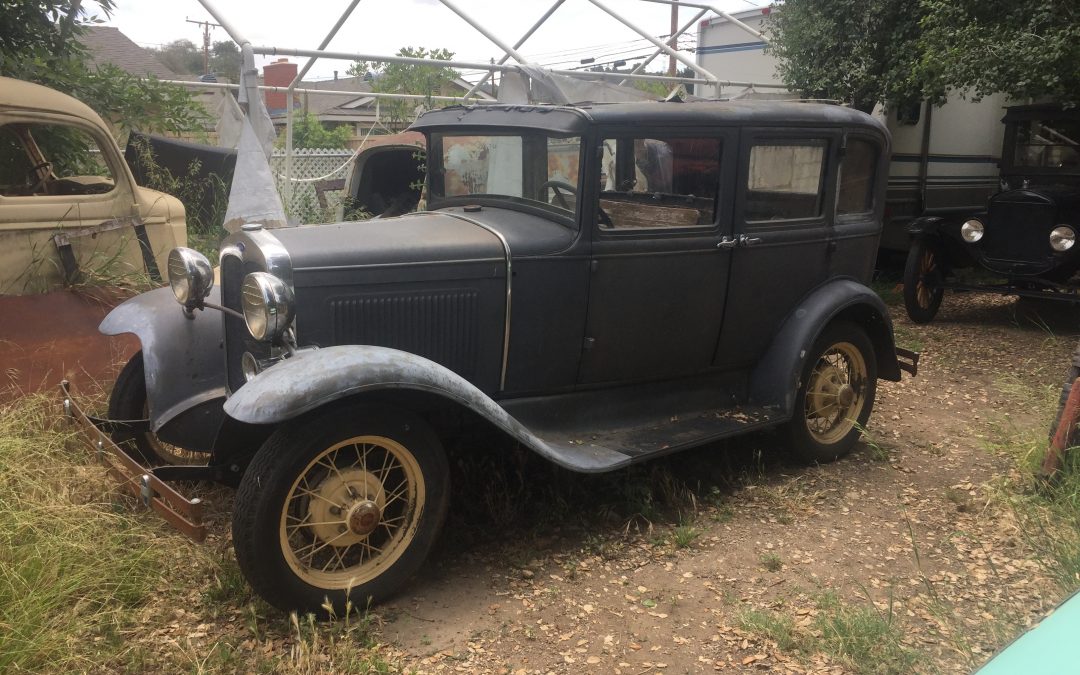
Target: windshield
<point>532,169</point>
<point>1048,143</point>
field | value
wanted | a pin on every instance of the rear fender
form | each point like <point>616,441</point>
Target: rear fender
<point>312,379</point>
<point>775,379</point>
<point>184,363</point>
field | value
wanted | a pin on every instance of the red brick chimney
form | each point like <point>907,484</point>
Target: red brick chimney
<point>278,74</point>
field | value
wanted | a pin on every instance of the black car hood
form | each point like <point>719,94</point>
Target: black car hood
<point>425,237</point>
<point>1065,197</point>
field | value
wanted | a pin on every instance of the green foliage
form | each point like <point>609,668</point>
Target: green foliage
<point>308,132</point>
<point>1025,49</point>
<point>402,78</point>
<point>855,51</point>
<point>185,58</point>
<point>39,43</point>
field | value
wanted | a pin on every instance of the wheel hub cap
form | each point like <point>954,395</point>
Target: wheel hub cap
<point>364,517</point>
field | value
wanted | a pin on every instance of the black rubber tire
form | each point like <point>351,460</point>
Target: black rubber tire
<point>265,487</point>
<point>803,444</point>
<point>922,311</point>
<point>128,402</point>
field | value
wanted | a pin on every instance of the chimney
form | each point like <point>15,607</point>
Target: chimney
<point>278,74</point>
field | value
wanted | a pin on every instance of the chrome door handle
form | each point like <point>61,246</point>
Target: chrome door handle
<point>727,242</point>
<point>748,241</point>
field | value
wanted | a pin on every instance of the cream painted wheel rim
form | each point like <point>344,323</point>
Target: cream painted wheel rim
<point>835,393</point>
<point>352,512</point>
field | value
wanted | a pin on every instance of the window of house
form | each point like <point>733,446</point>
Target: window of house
<point>785,181</point>
<point>856,191</point>
<point>659,182</point>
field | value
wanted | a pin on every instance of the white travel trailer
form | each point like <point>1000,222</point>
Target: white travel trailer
<point>944,159</point>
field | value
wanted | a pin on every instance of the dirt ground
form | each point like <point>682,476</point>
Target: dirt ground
<point>907,528</point>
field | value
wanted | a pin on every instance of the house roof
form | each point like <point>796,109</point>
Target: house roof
<point>106,44</point>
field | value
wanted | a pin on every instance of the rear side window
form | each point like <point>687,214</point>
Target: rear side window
<point>785,181</point>
<point>856,192</point>
<point>659,182</point>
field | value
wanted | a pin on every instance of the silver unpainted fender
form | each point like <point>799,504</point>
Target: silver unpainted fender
<point>183,357</point>
<point>312,379</point>
<point>775,379</point>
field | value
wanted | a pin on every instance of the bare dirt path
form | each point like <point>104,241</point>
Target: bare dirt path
<point>908,523</point>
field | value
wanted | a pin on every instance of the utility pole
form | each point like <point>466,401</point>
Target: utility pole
<point>674,40</point>
<point>206,26</point>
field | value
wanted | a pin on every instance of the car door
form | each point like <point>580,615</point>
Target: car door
<point>783,205</point>
<point>62,178</point>
<point>657,275</point>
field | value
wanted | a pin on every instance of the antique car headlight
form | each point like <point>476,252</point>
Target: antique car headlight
<point>249,365</point>
<point>1062,238</point>
<point>972,231</point>
<point>190,276</point>
<point>268,305</point>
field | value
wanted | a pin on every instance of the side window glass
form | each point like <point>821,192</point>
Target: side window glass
<point>785,181</point>
<point>51,159</point>
<point>856,192</point>
<point>659,182</point>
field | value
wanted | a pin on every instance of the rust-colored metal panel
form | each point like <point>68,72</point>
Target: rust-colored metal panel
<point>54,336</point>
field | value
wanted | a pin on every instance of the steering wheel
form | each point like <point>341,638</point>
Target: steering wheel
<point>38,179</point>
<point>557,186</point>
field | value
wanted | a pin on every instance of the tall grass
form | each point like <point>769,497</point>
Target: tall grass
<point>72,568</point>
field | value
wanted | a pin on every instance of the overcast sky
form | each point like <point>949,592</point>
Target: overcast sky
<point>576,30</point>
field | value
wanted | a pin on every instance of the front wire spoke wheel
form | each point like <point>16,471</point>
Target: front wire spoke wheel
<point>342,521</point>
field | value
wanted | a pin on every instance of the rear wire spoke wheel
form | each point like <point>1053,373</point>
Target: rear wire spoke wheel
<point>128,403</point>
<point>922,281</point>
<point>340,509</point>
<point>836,394</point>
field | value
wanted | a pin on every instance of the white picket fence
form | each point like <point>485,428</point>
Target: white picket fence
<point>309,164</point>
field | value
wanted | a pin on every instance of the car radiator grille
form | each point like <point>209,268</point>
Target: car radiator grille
<point>438,325</point>
<point>237,338</point>
<point>1019,231</point>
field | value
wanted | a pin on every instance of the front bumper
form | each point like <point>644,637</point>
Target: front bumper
<point>184,514</point>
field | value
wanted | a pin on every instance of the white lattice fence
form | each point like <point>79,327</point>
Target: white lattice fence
<point>308,164</point>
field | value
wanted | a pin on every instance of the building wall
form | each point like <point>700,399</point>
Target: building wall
<point>731,53</point>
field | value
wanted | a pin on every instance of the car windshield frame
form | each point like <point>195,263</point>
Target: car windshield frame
<point>1015,141</point>
<point>534,169</point>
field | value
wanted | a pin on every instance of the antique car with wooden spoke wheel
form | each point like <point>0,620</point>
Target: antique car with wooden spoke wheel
<point>1025,238</point>
<point>346,354</point>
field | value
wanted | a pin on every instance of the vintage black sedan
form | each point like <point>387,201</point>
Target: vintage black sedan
<point>602,284</point>
<point>1026,237</point>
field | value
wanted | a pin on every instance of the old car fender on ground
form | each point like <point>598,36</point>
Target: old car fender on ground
<point>183,362</point>
<point>315,378</point>
<point>775,379</point>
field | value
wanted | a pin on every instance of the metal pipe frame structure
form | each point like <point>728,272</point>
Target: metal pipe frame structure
<point>196,84</point>
<point>251,88</point>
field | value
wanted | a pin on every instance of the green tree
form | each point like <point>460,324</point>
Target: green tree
<point>1024,48</point>
<point>401,78</point>
<point>308,132</point>
<point>860,52</point>
<point>39,43</point>
<point>186,58</point>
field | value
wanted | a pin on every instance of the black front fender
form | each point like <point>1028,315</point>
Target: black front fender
<point>316,378</point>
<point>184,364</point>
<point>775,380</point>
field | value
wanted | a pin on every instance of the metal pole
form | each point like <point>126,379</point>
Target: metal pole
<point>658,44</point>
<point>724,14</point>
<point>673,40</point>
<point>330,92</point>
<point>526,36</point>
<point>237,37</point>
<point>350,56</point>
<point>641,66</point>
<point>483,31</point>
<point>329,36</point>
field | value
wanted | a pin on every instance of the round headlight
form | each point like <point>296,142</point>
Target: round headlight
<point>1062,238</point>
<point>190,277</point>
<point>972,231</point>
<point>268,305</point>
